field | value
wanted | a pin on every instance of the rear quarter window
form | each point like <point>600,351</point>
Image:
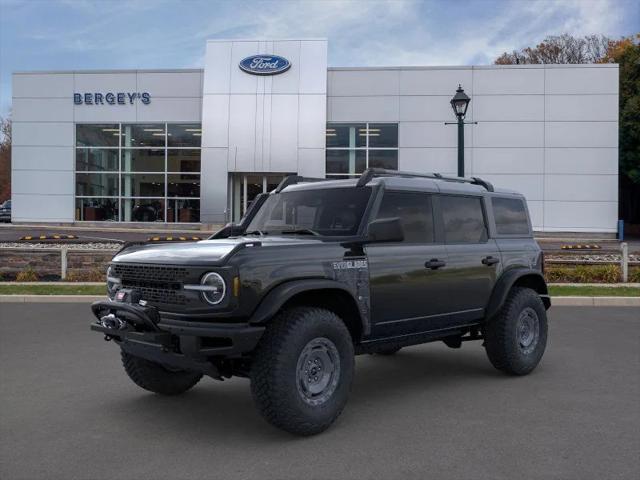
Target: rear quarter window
<point>510,215</point>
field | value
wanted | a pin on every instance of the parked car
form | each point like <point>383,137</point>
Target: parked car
<point>5,211</point>
<point>320,271</point>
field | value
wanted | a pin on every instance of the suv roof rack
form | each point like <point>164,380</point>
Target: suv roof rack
<point>293,179</point>
<point>370,173</point>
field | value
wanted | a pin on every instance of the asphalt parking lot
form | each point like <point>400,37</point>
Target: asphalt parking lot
<point>68,411</point>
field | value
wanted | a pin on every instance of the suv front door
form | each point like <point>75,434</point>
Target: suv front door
<point>407,295</point>
<point>474,259</point>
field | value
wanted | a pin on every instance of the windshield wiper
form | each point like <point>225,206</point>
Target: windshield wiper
<point>255,232</point>
<point>300,231</point>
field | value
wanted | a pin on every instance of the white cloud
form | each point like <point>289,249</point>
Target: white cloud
<point>373,32</point>
<point>172,34</point>
<point>406,32</point>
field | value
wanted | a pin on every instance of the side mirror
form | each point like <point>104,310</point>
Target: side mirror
<point>385,230</point>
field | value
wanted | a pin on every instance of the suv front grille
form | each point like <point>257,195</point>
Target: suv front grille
<point>151,273</point>
<point>157,284</point>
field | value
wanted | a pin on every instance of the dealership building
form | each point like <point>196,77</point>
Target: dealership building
<point>197,145</point>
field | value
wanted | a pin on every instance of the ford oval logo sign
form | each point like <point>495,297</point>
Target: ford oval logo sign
<point>265,64</point>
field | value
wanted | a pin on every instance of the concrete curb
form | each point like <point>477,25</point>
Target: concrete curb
<point>595,301</point>
<point>606,285</point>
<point>73,284</point>
<point>555,301</point>
<point>51,298</point>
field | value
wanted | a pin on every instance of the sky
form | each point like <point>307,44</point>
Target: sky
<point>109,34</point>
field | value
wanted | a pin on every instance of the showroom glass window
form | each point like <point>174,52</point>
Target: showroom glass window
<point>138,172</point>
<point>354,147</point>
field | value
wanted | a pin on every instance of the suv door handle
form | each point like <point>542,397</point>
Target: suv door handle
<point>488,261</point>
<point>434,264</point>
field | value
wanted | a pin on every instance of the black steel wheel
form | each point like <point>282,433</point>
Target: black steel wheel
<point>318,371</point>
<point>516,338</point>
<point>302,370</point>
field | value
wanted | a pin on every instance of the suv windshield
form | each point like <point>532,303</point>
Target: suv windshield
<point>327,212</point>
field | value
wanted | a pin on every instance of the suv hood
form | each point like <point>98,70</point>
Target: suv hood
<point>209,252</point>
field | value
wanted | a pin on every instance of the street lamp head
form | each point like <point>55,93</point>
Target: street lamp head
<point>460,102</point>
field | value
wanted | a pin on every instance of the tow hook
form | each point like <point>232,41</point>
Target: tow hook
<point>113,322</point>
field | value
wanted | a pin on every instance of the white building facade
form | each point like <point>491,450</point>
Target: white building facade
<point>196,146</point>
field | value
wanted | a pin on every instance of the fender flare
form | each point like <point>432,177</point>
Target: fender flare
<point>507,280</point>
<point>275,298</point>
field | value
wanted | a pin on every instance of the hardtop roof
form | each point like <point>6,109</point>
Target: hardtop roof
<point>403,183</point>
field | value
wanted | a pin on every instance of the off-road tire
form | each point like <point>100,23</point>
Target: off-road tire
<point>156,378</point>
<point>274,374</point>
<point>502,340</point>
<point>388,351</point>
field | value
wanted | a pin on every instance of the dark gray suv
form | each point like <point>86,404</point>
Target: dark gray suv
<point>5,211</point>
<point>318,271</point>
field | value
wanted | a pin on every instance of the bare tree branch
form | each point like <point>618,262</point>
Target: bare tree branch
<point>563,48</point>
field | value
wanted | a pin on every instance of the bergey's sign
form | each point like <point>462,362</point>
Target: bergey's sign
<point>110,98</point>
<point>265,64</point>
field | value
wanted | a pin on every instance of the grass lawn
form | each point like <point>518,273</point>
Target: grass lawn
<point>555,291</point>
<point>571,291</point>
<point>53,289</point>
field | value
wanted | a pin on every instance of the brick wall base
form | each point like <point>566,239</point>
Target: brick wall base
<point>81,265</point>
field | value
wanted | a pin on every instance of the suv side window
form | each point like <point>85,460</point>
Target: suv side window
<point>463,219</point>
<point>510,215</point>
<point>415,213</point>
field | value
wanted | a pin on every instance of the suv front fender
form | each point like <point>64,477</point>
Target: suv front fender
<point>525,277</point>
<point>276,298</point>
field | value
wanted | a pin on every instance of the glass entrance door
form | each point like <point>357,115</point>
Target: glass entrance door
<point>246,186</point>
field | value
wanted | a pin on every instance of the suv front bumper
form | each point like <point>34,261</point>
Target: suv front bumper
<point>176,343</point>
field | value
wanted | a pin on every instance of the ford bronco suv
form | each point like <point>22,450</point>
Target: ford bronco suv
<point>321,270</point>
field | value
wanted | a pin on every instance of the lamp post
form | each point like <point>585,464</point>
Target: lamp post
<point>459,104</point>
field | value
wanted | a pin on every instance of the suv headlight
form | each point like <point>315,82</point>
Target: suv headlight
<point>113,283</point>
<point>212,287</point>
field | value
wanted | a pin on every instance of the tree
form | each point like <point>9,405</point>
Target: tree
<point>600,49</point>
<point>5,158</point>
<point>626,53</point>
<point>560,49</point>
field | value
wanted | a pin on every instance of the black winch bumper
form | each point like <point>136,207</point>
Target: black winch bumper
<point>140,331</point>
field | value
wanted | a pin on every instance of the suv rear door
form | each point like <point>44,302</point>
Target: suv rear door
<point>473,257</point>
<point>407,296</point>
